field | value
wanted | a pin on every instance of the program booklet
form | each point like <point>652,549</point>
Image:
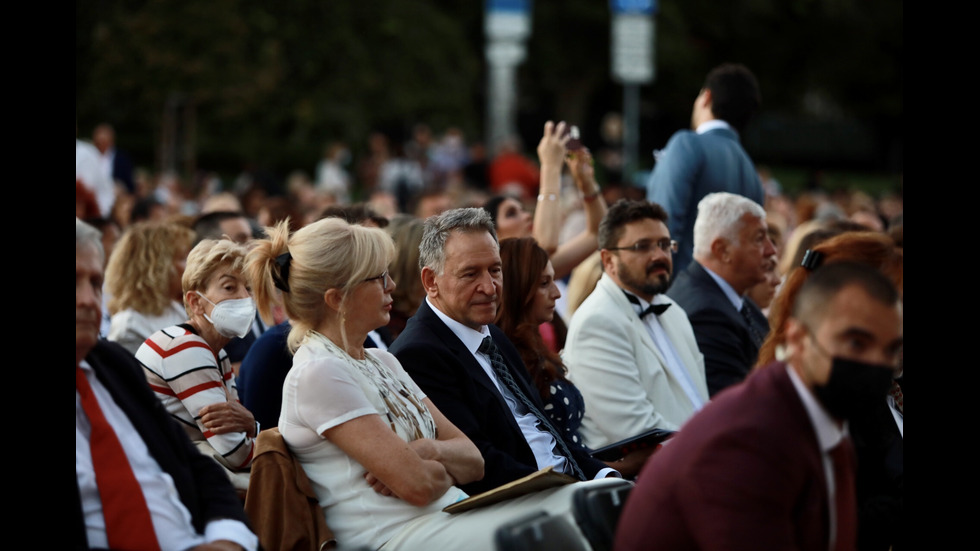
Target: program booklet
<point>619,450</point>
<point>534,482</point>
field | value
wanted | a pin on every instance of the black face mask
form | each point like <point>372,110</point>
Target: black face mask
<point>853,387</point>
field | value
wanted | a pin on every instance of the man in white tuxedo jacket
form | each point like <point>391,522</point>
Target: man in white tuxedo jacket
<point>630,349</point>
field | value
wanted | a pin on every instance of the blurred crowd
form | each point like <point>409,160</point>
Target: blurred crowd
<point>169,242</point>
<point>419,177</point>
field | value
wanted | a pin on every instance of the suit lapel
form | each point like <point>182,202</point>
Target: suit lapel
<point>618,297</point>
<point>464,357</point>
<point>705,280</point>
<point>125,391</point>
<point>782,384</point>
<point>640,327</point>
<point>516,365</point>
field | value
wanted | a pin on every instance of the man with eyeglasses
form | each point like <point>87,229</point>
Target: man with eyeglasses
<point>630,349</point>
<point>732,252</point>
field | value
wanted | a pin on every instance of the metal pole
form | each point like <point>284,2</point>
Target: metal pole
<point>633,36</point>
<point>507,26</point>
<point>631,130</point>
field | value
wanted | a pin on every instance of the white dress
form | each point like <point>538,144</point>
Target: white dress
<point>326,388</point>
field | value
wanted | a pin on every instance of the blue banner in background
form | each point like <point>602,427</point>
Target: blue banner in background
<point>508,6</point>
<point>638,7</point>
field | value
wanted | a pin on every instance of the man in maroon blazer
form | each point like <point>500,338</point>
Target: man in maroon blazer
<point>768,463</point>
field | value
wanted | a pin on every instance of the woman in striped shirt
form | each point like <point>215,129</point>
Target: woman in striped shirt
<point>185,364</point>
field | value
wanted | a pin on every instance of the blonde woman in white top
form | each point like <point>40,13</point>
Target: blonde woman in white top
<point>382,459</point>
<point>378,452</point>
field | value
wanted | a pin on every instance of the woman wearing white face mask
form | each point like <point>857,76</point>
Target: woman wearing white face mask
<point>186,366</point>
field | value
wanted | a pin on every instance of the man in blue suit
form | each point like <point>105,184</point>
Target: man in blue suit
<point>710,158</point>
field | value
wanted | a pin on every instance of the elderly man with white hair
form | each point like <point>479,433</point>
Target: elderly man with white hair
<point>140,483</point>
<point>731,252</point>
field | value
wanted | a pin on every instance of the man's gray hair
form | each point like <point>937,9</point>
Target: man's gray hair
<point>438,228</point>
<point>720,215</point>
<point>86,235</point>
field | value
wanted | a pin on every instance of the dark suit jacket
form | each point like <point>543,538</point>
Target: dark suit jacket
<point>722,334</point>
<point>262,374</point>
<point>744,473</point>
<point>880,479</point>
<point>203,487</point>
<point>451,377</point>
<point>122,169</point>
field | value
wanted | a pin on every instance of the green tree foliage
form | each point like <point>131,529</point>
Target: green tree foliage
<point>847,52</point>
<point>272,82</point>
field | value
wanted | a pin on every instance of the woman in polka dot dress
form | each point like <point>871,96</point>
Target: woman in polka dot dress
<point>527,308</point>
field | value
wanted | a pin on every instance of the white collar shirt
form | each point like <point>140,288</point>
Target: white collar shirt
<point>673,361</point>
<point>729,291</point>
<point>171,520</point>
<point>829,434</point>
<point>707,126</point>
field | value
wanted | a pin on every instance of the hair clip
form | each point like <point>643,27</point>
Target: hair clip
<point>282,278</point>
<point>812,259</point>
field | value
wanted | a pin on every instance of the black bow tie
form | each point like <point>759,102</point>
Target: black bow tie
<point>652,309</point>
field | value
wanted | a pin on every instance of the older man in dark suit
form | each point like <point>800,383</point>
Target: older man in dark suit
<point>732,251</point>
<point>140,483</point>
<point>769,464</point>
<point>468,367</point>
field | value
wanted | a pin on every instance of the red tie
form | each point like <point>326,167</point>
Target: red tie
<point>896,393</point>
<point>127,519</point>
<point>842,457</point>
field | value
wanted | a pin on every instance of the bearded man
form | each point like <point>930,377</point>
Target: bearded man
<point>630,349</point>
